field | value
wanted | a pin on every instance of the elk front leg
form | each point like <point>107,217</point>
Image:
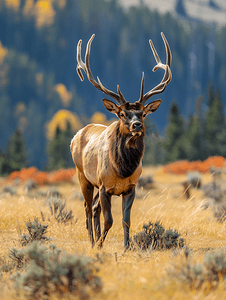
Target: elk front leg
<point>127,202</point>
<point>87,191</point>
<point>105,202</point>
<point>96,216</point>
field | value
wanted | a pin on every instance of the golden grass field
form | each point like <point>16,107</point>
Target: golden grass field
<point>135,275</point>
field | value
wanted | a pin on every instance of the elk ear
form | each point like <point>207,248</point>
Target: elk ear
<point>152,107</point>
<point>111,106</point>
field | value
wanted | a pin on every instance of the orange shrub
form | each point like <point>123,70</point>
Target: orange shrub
<point>216,161</point>
<point>27,173</point>
<point>183,166</point>
<point>14,175</point>
<point>61,175</point>
<point>41,177</point>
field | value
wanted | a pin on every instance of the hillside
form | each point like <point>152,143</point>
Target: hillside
<point>38,61</point>
<point>203,10</point>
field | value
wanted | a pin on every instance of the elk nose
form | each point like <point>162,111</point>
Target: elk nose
<point>137,126</point>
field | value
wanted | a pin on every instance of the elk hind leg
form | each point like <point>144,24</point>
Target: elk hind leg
<point>87,191</point>
<point>96,216</point>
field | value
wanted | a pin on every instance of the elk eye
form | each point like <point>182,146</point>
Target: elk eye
<point>144,115</point>
<point>122,114</point>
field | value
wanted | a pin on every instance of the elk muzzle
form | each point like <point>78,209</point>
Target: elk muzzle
<point>136,128</point>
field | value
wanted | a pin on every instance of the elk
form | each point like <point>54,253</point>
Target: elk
<point>110,157</point>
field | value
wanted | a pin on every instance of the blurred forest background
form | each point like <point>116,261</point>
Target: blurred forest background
<point>43,102</point>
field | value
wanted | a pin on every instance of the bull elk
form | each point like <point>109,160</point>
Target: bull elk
<point>110,157</point>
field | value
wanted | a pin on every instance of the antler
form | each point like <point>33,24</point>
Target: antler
<point>167,75</point>
<point>86,68</point>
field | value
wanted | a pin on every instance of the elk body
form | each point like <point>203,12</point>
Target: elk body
<point>110,157</point>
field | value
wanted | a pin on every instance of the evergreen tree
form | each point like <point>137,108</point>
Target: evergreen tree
<point>221,136</point>
<point>180,8</point>
<point>58,150</point>
<point>153,143</point>
<point>211,94</point>
<point>4,165</point>
<point>196,144</point>
<point>16,153</point>
<point>214,122</point>
<point>174,145</point>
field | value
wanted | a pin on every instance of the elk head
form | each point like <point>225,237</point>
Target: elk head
<point>131,115</point>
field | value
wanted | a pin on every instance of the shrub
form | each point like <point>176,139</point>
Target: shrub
<point>17,256</point>
<point>29,185</point>
<point>183,166</point>
<point>9,190</point>
<point>50,271</point>
<point>216,199</point>
<point>215,192</point>
<point>31,173</point>
<point>59,211</point>
<point>154,236</point>
<point>16,261</point>
<point>206,275</point>
<point>36,232</point>
<point>40,177</point>
<point>61,175</point>
<point>145,182</point>
<point>194,179</point>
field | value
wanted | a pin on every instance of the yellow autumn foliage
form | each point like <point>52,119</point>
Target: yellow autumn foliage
<point>20,108</point>
<point>4,67</point>
<point>3,53</point>
<point>99,118</point>
<point>44,13</point>
<point>61,3</point>
<point>28,9</point>
<point>60,119</point>
<point>39,78</point>
<point>13,4</point>
<point>65,95</point>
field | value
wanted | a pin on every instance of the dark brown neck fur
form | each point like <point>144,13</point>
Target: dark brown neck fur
<point>126,152</point>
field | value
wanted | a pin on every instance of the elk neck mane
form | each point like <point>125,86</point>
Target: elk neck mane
<point>126,151</point>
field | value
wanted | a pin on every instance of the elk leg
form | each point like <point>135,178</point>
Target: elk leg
<point>105,202</point>
<point>96,216</point>
<point>87,191</point>
<point>127,202</point>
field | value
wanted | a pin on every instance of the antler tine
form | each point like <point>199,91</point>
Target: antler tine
<point>80,64</point>
<point>121,95</point>
<point>168,52</point>
<point>167,75</point>
<point>142,88</point>
<point>86,68</point>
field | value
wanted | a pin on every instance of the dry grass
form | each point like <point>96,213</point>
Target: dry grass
<point>134,275</point>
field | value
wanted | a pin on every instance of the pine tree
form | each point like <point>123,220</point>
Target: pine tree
<point>4,165</point>
<point>180,8</point>
<point>16,153</point>
<point>214,122</point>
<point>58,150</point>
<point>175,145</point>
<point>153,143</point>
<point>196,144</point>
<point>211,94</point>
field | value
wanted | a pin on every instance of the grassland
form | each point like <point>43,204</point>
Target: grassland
<point>134,275</point>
